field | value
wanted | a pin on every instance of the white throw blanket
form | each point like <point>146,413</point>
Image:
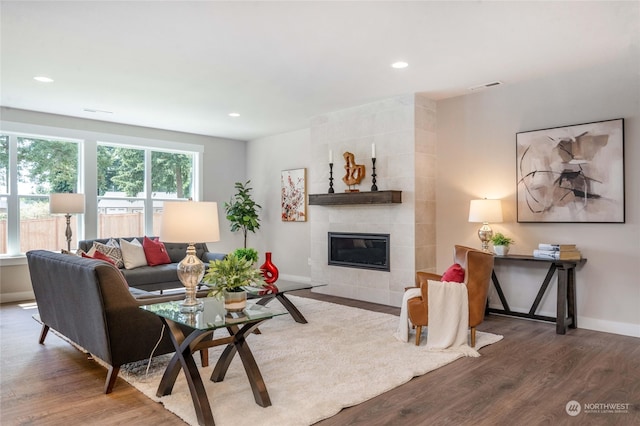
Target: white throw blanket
<point>448,318</point>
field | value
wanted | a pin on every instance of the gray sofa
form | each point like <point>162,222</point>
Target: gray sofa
<point>159,277</point>
<point>90,303</point>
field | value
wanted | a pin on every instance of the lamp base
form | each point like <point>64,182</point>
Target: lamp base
<point>67,233</point>
<point>485,233</point>
<point>190,273</point>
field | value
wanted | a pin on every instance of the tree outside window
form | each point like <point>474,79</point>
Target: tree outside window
<point>44,166</point>
<point>121,187</point>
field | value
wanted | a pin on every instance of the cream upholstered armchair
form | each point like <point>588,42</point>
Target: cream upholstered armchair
<point>477,266</point>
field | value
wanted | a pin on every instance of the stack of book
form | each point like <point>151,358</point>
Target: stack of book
<point>557,252</point>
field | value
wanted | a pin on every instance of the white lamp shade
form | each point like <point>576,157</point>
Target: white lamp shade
<point>66,203</point>
<point>485,211</point>
<point>189,222</point>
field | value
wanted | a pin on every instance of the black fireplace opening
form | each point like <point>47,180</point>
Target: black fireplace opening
<point>367,251</point>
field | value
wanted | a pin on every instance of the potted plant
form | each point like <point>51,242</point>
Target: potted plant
<point>227,278</point>
<point>247,253</point>
<point>242,211</point>
<point>501,244</point>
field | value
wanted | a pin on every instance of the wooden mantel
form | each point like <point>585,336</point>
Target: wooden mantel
<point>346,198</point>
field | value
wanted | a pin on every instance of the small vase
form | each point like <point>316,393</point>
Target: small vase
<point>269,270</point>
<point>235,301</point>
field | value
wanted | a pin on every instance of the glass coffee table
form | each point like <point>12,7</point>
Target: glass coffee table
<point>201,325</point>
<point>283,288</point>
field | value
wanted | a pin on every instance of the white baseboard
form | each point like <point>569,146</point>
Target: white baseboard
<point>20,296</point>
<point>622,328</point>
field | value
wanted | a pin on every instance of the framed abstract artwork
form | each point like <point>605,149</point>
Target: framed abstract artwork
<point>294,195</point>
<point>572,173</point>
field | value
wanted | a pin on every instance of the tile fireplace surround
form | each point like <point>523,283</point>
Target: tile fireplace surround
<point>403,130</point>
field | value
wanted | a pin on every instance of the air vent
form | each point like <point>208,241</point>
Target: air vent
<point>485,85</point>
<point>97,111</point>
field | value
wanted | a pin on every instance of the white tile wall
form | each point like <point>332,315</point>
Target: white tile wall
<point>403,129</point>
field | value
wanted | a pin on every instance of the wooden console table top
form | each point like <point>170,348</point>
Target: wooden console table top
<point>526,258</point>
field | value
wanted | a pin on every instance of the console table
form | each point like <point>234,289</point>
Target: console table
<point>566,300</point>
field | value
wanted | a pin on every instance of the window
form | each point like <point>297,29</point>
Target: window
<point>131,177</point>
<point>125,206</point>
<point>43,166</point>
<point>171,178</point>
<point>171,175</point>
<point>4,190</point>
<point>4,165</point>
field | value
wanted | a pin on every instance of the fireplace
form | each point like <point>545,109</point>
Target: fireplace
<point>367,251</point>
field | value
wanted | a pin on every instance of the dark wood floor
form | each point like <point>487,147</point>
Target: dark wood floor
<point>526,379</point>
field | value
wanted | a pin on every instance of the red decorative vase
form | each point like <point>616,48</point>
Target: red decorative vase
<point>269,270</point>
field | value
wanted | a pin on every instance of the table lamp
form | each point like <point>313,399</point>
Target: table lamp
<point>67,204</point>
<point>190,222</point>
<point>485,211</point>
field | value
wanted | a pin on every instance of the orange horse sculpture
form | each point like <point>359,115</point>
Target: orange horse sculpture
<point>355,172</point>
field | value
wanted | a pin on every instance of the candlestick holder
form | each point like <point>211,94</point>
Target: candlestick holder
<point>330,178</point>
<point>374,187</point>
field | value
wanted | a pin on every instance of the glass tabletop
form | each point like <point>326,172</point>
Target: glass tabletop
<point>213,315</point>
<point>283,287</point>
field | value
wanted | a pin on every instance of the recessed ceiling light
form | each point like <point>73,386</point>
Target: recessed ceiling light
<point>234,114</point>
<point>399,65</point>
<point>43,79</point>
<point>97,111</point>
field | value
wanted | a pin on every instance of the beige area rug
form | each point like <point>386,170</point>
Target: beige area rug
<point>342,357</point>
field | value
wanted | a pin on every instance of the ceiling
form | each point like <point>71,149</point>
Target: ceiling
<point>184,66</point>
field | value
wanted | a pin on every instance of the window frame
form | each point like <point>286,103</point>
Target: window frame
<point>87,173</point>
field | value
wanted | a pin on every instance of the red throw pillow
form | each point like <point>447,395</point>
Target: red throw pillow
<point>455,274</point>
<point>99,256</point>
<point>155,252</point>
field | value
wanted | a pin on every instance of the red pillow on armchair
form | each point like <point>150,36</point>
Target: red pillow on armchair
<point>155,252</point>
<point>455,274</point>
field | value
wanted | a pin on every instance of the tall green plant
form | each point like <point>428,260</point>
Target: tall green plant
<point>242,211</point>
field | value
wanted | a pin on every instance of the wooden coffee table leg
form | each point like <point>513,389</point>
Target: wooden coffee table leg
<point>240,345</point>
<point>293,310</point>
<point>183,358</point>
<point>288,304</point>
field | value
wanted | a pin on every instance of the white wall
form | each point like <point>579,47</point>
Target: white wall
<point>476,158</point>
<point>288,241</point>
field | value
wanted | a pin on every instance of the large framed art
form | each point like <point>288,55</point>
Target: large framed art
<point>294,195</point>
<point>571,173</point>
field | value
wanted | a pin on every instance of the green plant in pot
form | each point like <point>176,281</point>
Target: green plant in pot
<point>501,244</point>
<point>227,277</point>
<point>242,211</point>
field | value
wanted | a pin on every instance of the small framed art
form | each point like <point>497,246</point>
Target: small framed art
<point>294,195</point>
